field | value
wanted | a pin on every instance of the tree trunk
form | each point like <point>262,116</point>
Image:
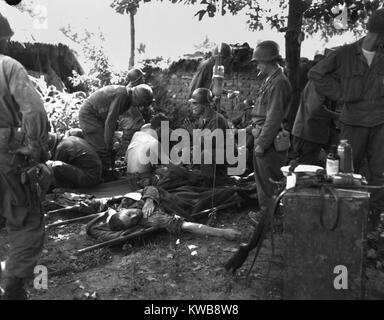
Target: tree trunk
<point>132,57</point>
<point>292,53</point>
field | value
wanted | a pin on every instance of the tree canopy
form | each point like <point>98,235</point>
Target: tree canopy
<point>317,14</point>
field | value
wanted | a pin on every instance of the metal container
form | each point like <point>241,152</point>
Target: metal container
<point>313,255</point>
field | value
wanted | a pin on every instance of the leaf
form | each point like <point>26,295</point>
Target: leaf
<point>201,14</point>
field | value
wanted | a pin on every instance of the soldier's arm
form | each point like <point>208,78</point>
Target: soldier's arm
<point>278,98</point>
<point>201,79</point>
<point>325,75</point>
<point>34,117</point>
<point>111,121</point>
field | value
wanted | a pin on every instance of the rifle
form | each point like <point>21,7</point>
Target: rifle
<point>238,259</point>
<point>118,240</point>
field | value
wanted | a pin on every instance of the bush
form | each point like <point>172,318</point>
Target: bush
<point>62,107</point>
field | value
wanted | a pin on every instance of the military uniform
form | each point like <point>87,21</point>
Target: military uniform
<point>345,75</point>
<point>23,121</point>
<point>98,118</point>
<point>268,114</point>
<point>313,127</point>
<point>203,76</point>
<point>212,120</point>
<point>76,164</point>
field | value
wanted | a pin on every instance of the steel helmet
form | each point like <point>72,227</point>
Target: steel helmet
<point>223,49</point>
<point>266,51</point>
<point>143,95</point>
<point>135,75</point>
<point>201,96</point>
<point>376,22</point>
<point>5,29</point>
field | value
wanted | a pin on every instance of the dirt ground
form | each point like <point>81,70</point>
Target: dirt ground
<point>163,266</point>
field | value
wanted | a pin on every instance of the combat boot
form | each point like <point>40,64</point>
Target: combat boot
<point>14,289</point>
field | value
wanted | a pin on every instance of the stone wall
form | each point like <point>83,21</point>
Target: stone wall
<point>244,80</point>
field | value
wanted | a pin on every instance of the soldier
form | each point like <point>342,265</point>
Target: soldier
<point>353,75</point>
<point>23,147</point>
<point>314,126</point>
<point>135,77</point>
<point>203,76</point>
<point>267,116</point>
<point>209,119</point>
<point>98,117</point>
<point>75,164</point>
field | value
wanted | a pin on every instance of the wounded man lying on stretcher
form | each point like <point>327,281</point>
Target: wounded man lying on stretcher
<point>132,215</point>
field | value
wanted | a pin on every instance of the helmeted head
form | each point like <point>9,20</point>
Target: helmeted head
<point>266,53</point>
<point>200,99</point>
<point>375,27</point>
<point>142,95</point>
<point>124,219</point>
<point>223,49</point>
<point>136,77</point>
<point>225,52</point>
<point>376,22</point>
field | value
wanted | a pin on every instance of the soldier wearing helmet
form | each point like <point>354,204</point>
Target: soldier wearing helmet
<point>211,120</point>
<point>98,117</point>
<point>272,102</point>
<point>204,73</point>
<point>135,77</point>
<point>23,136</point>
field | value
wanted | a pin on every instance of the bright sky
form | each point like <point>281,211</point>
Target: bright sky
<point>167,29</point>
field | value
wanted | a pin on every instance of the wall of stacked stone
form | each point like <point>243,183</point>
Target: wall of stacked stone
<point>244,82</point>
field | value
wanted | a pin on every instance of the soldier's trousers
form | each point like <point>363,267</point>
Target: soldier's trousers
<point>25,226</point>
<point>93,130</point>
<point>368,143</point>
<point>26,243</point>
<point>265,167</point>
<point>69,176</point>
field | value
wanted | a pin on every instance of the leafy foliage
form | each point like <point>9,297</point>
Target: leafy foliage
<point>317,14</point>
<point>100,69</point>
<point>62,107</point>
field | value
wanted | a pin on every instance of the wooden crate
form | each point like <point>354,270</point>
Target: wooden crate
<point>312,252</point>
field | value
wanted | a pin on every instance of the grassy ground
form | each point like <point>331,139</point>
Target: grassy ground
<point>163,266</point>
